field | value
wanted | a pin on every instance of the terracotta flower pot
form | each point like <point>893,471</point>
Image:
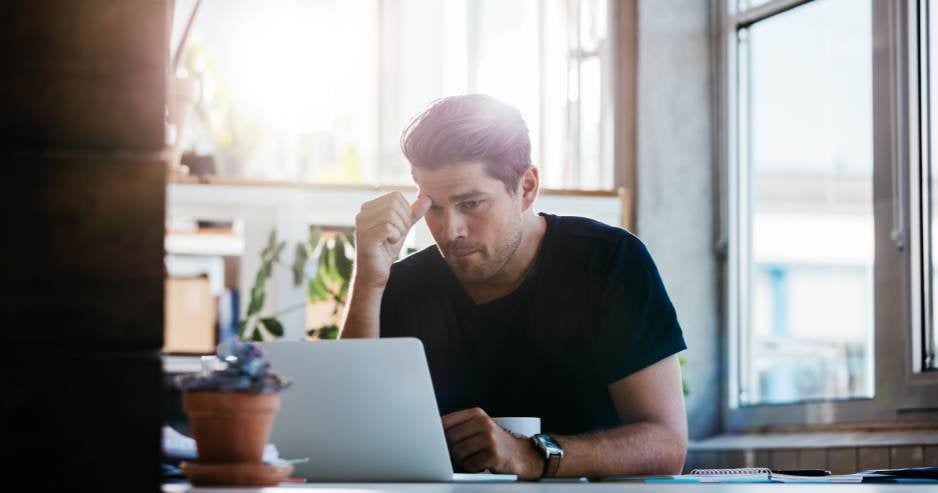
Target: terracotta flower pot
<point>230,426</point>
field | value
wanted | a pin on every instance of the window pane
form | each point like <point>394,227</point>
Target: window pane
<point>288,89</point>
<point>426,58</point>
<point>806,147</point>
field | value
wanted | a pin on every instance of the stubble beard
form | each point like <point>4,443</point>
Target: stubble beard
<point>475,271</point>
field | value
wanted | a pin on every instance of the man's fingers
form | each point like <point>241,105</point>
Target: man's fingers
<point>385,232</point>
<point>480,461</point>
<point>469,446</point>
<point>369,219</point>
<point>419,208</point>
<point>382,201</point>
<point>457,417</point>
<point>466,429</point>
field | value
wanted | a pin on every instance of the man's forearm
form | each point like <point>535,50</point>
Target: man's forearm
<point>362,312</point>
<point>639,448</point>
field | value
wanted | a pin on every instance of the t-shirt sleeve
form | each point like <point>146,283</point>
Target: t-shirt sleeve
<point>638,323</point>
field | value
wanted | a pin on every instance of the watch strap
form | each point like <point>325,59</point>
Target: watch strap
<point>551,465</point>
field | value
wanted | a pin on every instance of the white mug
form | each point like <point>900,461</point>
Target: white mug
<point>525,427</point>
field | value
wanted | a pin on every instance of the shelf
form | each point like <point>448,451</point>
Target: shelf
<point>204,244</point>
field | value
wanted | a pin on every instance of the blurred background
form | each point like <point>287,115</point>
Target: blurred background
<point>759,148</point>
<point>183,171</point>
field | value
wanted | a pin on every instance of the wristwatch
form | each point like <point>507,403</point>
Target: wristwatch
<point>552,453</point>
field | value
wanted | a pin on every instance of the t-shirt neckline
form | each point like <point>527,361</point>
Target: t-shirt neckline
<point>529,277</point>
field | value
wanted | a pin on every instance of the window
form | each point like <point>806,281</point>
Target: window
<point>320,90</point>
<point>821,157</point>
<point>806,125</point>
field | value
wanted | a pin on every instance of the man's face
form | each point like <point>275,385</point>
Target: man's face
<point>475,222</point>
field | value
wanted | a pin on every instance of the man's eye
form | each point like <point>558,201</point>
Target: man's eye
<point>436,208</point>
<point>470,204</point>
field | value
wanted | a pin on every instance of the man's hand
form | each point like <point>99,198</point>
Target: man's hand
<point>380,229</point>
<point>477,443</point>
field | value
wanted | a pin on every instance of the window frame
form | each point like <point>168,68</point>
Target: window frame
<point>901,390</point>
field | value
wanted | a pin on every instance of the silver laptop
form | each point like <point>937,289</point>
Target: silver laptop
<point>361,410</point>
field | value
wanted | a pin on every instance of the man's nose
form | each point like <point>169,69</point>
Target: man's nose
<point>452,226</point>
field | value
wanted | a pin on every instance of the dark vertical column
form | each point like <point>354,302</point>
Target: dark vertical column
<point>82,184</point>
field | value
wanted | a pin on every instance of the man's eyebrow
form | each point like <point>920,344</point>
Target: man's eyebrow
<point>466,196</point>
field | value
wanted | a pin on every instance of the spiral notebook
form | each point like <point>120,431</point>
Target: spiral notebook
<point>743,475</point>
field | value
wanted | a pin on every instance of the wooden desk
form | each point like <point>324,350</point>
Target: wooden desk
<point>525,487</point>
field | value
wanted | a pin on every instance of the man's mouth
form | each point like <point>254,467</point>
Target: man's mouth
<point>461,253</point>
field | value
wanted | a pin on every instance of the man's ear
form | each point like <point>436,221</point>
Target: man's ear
<point>528,186</point>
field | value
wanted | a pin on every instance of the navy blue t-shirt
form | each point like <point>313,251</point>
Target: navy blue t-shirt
<point>590,311</point>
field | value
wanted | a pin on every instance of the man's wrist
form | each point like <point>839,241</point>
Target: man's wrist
<point>363,311</point>
<point>535,461</point>
<point>365,283</point>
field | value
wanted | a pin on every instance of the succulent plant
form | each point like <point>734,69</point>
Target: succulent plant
<point>241,367</point>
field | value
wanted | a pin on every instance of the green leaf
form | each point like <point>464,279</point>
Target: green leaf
<point>341,296</point>
<point>330,256</point>
<point>273,326</point>
<point>317,291</point>
<point>278,250</point>
<point>242,324</point>
<point>327,269</point>
<point>268,250</point>
<point>257,290</point>
<point>299,263</point>
<point>257,336</point>
<point>343,264</point>
<point>350,237</point>
<point>315,235</point>
<point>263,274</point>
<point>257,301</point>
<point>329,332</point>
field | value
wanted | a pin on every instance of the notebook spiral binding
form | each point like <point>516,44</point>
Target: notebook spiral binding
<point>747,471</point>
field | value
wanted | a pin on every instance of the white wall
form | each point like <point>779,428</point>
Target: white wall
<point>674,215</point>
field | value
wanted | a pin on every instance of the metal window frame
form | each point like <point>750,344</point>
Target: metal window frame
<point>924,344</point>
<point>902,390</point>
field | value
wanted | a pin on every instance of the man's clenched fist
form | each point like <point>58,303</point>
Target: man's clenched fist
<point>380,229</point>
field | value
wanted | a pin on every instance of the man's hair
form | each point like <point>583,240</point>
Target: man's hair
<point>473,127</point>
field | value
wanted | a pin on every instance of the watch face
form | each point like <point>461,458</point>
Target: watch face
<point>549,444</point>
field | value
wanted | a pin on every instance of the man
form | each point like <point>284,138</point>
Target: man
<point>520,313</point>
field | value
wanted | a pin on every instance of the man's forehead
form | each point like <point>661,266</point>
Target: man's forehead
<point>455,182</point>
<point>452,196</point>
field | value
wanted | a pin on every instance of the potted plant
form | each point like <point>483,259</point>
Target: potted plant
<point>231,408</point>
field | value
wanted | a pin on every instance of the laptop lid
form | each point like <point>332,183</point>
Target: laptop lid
<point>360,409</point>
